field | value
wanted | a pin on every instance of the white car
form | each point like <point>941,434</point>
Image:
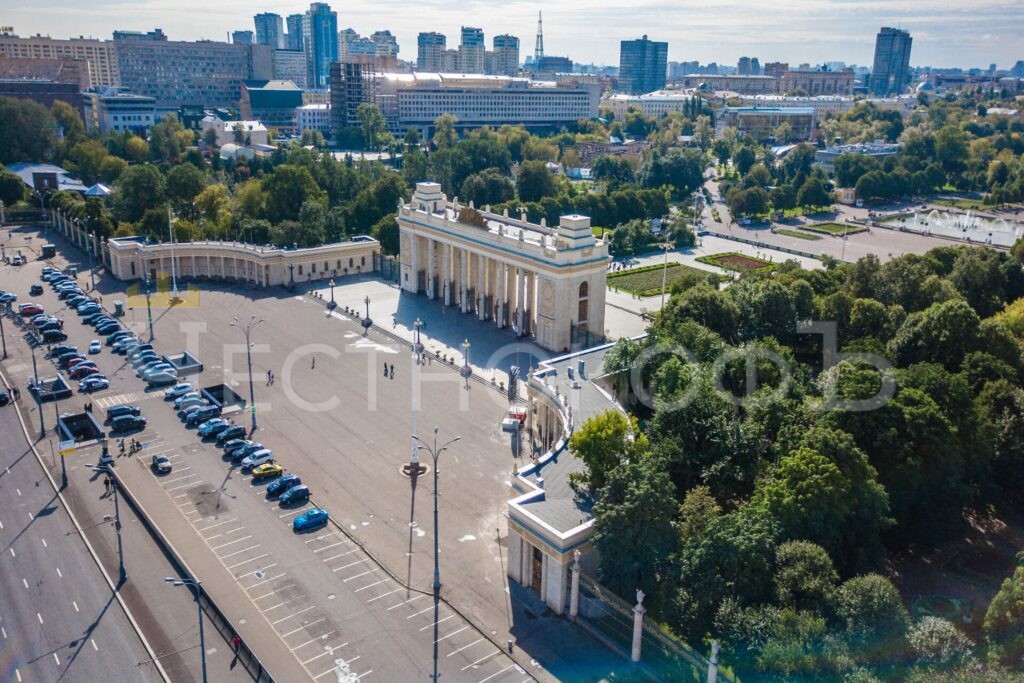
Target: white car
<point>178,391</point>
<point>94,346</point>
<point>258,458</point>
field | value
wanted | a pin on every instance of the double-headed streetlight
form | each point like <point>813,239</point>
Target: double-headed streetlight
<point>367,323</point>
<point>247,327</point>
<point>197,586</point>
<point>434,452</point>
<point>105,469</point>
<point>149,311</point>
<point>39,400</point>
<point>331,283</point>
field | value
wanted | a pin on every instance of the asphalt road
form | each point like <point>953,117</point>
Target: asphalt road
<point>58,617</point>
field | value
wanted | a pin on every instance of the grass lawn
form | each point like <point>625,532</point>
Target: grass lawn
<point>646,280</point>
<point>601,232</point>
<point>962,203</point>
<point>838,229</point>
<point>739,262</point>
<point>801,235</point>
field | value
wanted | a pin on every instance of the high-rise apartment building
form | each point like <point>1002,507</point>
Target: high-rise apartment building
<point>290,65</point>
<point>270,30</point>
<point>242,37</point>
<point>890,73</point>
<point>642,65</point>
<point>320,41</point>
<point>293,40</point>
<point>98,55</point>
<point>429,47</point>
<point>387,44</point>
<point>471,50</point>
<point>506,55</point>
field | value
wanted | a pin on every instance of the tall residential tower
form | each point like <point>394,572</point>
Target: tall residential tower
<point>643,65</point>
<point>320,41</point>
<point>890,73</point>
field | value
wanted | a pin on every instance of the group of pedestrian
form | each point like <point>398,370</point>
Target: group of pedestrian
<point>389,372</point>
<point>270,378</point>
<point>88,407</point>
<point>133,448</point>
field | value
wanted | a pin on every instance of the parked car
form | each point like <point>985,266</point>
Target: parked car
<point>184,397</point>
<point>235,446</point>
<point>258,458</point>
<point>177,391</point>
<point>48,325</point>
<point>310,519</point>
<point>127,423</point>
<point>155,364</point>
<point>94,346</point>
<point>8,297</point>
<point>108,328</point>
<point>212,427</point>
<point>4,398</point>
<point>83,370</point>
<point>51,336</point>
<point>29,309</point>
<point>161,379</point>
<point>93,383</point>
<point>79,363</point>
<point>87,308</point>
<point>201,415</point>
<point>118,411</point>
<point>267,471</point>
<point>282,484</point>
<point>143,358</point>
<point>89,319</point>
<point>115,337</point>
<point>148,376</point>
<point>161,465</point>
<point>100,320</point>
<point>139,350</point>
<point>241,453</point>
<point>61,350</point>
<point>122,345</point>
<point>66,359</point>
<point>35,290</point>
<point>294,495</point>
<point>232,432</point>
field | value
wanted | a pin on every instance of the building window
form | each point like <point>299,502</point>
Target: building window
<point>584,305</point>
<point>312,268</point>
<point>350,263</point>
<point>133,267</point>
<point>300,269</point>
<point>362,260</point>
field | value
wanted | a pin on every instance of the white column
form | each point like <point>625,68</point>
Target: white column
<point>638,625</point>
<point>530,308</point>
<point>446,273</point>
<point>520,298</point>
<point>464,282</point>
<point>574,594</point>
<point>480,277</point>
<point>430,268</point>
<point>414,262</point>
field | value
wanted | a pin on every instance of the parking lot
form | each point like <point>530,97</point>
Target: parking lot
<point>332,417</point>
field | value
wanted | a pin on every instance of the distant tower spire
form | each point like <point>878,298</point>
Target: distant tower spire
<point>538,51</point>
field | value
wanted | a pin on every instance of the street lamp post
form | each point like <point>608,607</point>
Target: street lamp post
<point>247,328</point>
<point>664,273</point>
<point>105,469</point>
<point>367,323</point>
<point>149,311</point>
<point>434,453</point>
<point>39,400</point>
<point>197,586</point>
<point>331,283</point>
<point>3,337</point>
<point>466,371</point>
<point>174,276</point>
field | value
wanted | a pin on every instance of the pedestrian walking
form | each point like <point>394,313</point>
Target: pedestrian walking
<point>392,371</point>
<point>269,376</point>
<point>122,448</point>
<point>236,644</point>
<point>313,366</point>
<point>385,369</point>
<point>272,378</point>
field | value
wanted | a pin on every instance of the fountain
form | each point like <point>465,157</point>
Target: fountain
<point>969,227</point>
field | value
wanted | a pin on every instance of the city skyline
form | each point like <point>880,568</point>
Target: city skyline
<point>797,31</point>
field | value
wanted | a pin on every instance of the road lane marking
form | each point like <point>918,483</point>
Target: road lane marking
<point>451,634</point>
<point>439,621</point>
<point>44,542</point>
<point>485,657</point>
<point>39,617</point>
<point>58,572</point>
<point>294,631</point>
<point>371,585</point>
<point>12,553</point>
<point>322,536</point>
<point>301,611</point>
<point>24,582</point>
<point>31,517</point>
<point>75,605</point>
<point>93,643</point>
<point>415,597</point>
<point>365,673</point>
<point>4,632</point>
<point>397,590</point>
<point>185,486</point>
<point>282,604</point>
<point>56,658</point>
<point>494,675</point>
<point>293,512</point>
<point>328,547</point>
<point>237,540</point>
<point>335,668</point>
<point>239,552</point>
<point>368,571</point>
<point>464,647</point>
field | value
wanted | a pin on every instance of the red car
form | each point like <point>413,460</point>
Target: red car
<point>30,309</point>
<point>83,371</point>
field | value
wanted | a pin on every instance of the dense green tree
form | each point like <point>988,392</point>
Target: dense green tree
<point>709,306</point>
<point>1004,620</point>
<point>28,130</point>
<point>287,189</point>
<point>70,122</point>
<point>682,170</point>
<point>813,193</point>
<point>849,168</point>
<point>743,158</point>
<point>874,615</point>
<point>615,170</point>
<point>164,141</point>
<point>603,442</point>
<point>943,333</point>
<point>183,184</point>
<point>489,186</point>
<point>804,576</point>
<point>534,181</point>
<point>696,511</point>
<point>139,189</point>
<point>445,135</point>
<point>12,189</point>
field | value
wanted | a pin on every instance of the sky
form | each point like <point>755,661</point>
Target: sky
<point>966,33</point>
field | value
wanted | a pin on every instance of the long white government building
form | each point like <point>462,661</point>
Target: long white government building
<point>544,282</point>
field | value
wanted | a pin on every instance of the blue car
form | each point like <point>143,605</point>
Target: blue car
<point>282,484</point>
<point>294,495</point>
<point>212,427</point>
<point>310,519</point>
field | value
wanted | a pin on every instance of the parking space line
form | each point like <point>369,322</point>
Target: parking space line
<point>334,557</point>
<point>371,585</point>
<point>439,621</point>
<point>185,486</point>
<point>451,634</point>
<point>272,578</point>
<point>328,547</point>
<point>485,657</point>
<point>350,564</point>
<point>335,668</point>
<point>383,595</point>
<point>415,597</point>
<point>419,613</point>
<point>187,476</point>
<point>226,521</point>
<point>180,495</point>
<point>294,631</point>
<point>322,536</point>
<point>237,552</point>
<point>365,673</point>
<point>368,571</point>
<point>293,512</point>
<point>301,611</point>
<point>282,604</point>
<point>495,675</point>
<point>464,647</point>
<point>258,569</point>
<point>322,637</point>
<point>225,533</point>
<point>273,592</point>
<point>252,559</point>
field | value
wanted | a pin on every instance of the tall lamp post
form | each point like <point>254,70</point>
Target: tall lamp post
<point>367,323</point>
<point>174,275</point>
<point>466,371</point>
<point>434,452</point>
<point>247,327</point>
<point>664,273</point>
<point>197,587</point>
<point>331,283</point>
<point>105,469</point>
<point>39,400</point>
<point>3,337</point>
<point>149,311</point>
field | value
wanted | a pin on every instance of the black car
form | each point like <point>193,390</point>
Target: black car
<point>108,328</point>
<point>4,398</point>
<point>127,423</point>
<point>232,432</point>
<point>119,411</point>
<point>35,290</point>
<point>61,349</point>
<point>202,415</point>
<point>113,337</point>
<point>51,336</point>
<point>49,325</point>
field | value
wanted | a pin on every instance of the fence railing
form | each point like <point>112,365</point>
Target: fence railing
<point>662,655</point>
